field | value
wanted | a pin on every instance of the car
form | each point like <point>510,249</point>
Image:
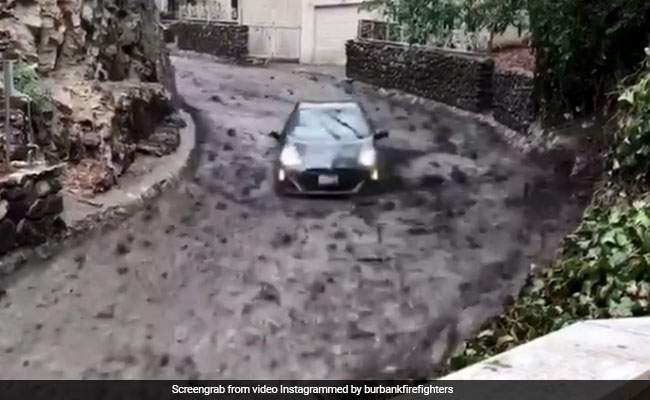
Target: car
<point>327,148</point>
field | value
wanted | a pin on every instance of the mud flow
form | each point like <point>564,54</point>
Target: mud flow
<point>221,279</point>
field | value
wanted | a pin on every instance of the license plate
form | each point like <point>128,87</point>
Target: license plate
<point>325,180</point>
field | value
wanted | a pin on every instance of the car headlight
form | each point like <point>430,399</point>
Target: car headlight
<point>290,157</point>
<point>368,157</point>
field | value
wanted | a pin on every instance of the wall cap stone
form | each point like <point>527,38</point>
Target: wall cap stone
<point>35,171</point>
<point>451,52</point>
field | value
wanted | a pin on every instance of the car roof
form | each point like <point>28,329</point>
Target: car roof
<point>314,105</point>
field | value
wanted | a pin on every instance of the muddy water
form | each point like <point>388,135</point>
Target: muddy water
<point>222,279</point>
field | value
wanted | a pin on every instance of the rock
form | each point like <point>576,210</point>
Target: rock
<point>17,210</point>
<point>31,233</point>
<point>16,193</point>
<point>160,143</point>
<point>354,332</point>
<point>268,292</point>
<point>43,188</point>
<point>4,209</point>
<point>458,175</point>
<point>432,180</point>
<point>496,173</point>
<point>38,209</point>
<point>7,235</point>
<point>231,132</point>
<point>107,312</point>
<point>63,100</point>
<point>176,120</point>
<point>91,140</point>
<point>419,230</point>
<point>370,253</point>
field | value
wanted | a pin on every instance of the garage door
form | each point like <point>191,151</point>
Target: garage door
<point>335,25</point>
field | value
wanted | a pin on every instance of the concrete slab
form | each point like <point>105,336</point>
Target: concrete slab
<point>583,351</point>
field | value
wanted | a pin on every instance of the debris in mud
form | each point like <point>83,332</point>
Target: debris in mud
<point>370,253</point>
<point>459,176</point>
<point>108,312</point>
<point>122,248</point>
<point>89,177</point>
<point>80,260</point>
<point>315,289</point>
<point>268,292</point>
<point>419,230</point>
<point>282,240</point>
<point>354,332</point>
<point>432,180</point>
<point>497,173</point>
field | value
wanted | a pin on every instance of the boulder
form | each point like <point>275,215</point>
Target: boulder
<point>7,235</point>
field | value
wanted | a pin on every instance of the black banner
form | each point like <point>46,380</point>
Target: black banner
<point>326,390</point>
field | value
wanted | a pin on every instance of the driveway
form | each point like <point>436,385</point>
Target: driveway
<point>222,279</point>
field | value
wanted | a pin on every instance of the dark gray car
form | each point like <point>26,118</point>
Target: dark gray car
<point>327,148</point>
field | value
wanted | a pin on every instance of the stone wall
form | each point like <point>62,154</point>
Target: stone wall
<point>467,81</point>
<point>514,103</point>
<point>30,207</point>
<point>217,39</point>
<point>459,79</point>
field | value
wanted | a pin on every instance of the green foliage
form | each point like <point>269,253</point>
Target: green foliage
<point>498,15</point>
<point>29,83</point>
<point>583,49</point>
<point>604,269</point>
<point>604,272</point>
<point>425,18</point>
<point>420,18</point>
<point>631,155</point>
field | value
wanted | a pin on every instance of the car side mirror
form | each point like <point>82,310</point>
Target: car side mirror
<point>381,135</point>
<point>275,135</point>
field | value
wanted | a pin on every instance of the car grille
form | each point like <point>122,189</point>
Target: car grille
<point>349,179</point>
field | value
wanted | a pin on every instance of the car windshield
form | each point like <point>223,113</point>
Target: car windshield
<point>342,122</point>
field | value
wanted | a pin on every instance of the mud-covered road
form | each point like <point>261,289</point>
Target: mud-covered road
<point>221,279</point>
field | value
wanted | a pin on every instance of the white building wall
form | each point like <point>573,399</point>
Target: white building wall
<point>274,27</point>
<point>308,40</point>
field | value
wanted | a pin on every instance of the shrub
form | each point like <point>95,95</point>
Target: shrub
<point>29,83</point>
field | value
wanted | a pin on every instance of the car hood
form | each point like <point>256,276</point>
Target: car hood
<point>330,155</point>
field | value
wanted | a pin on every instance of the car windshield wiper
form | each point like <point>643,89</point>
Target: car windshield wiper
<point>350,127</point>
<point>332,133</point>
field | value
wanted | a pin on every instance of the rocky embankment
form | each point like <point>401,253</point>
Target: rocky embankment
<point>108,80</point>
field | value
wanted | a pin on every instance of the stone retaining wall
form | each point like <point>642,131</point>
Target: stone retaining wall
<point>513,102</point>
<point>467,81</point>
<point>459,79</point>
<point>217,39</point>
<point>30,207</point>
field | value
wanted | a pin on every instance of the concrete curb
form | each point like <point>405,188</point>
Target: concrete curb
<point>162,178</point>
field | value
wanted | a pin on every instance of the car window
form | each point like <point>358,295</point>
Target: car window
<point>341,123</point>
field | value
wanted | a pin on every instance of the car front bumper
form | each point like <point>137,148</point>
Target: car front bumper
<point>350,181</point>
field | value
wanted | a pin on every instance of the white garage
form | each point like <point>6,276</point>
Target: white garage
<point>327,25</point>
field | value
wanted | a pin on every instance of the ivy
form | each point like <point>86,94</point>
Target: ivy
<point>604,268</point>
<point>604,272</point>
<point>28,82</point>
<point>631,155</point>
